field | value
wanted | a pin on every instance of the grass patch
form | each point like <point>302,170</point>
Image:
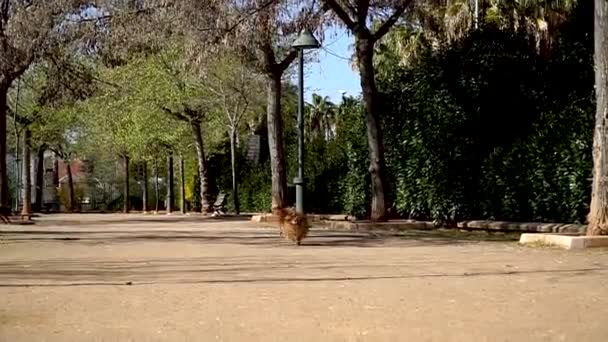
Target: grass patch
<point>539,244</point>
<point>461,235</point>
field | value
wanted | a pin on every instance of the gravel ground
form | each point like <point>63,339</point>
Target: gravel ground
<point>185,278</point>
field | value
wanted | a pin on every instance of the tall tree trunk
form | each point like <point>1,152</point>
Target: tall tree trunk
<point>182,185</point>
<point>18,166</point>
<point>126,192</point>
<point>156,187</point>
<point>197,136</point>
<point>3,173</point>
<point>598,214</point>
<point>55,180</point>
<point>144,206</point>
<point>39,178</point>
<point>377,169</point>
<point>55,171</point>
<point>26,192</point>
<point>70,187</point>
<point>170,189</point>
<point>235,190</point>
<point>275,141</point>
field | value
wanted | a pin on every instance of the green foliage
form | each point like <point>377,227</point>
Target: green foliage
<point>353,190</point>
<point>486,128</point>
<point>254,193</point>
<point>125,116</point>
<point>335,167</point>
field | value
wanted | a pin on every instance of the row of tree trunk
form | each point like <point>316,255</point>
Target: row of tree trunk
<point>26,196</point>
<point>170,197</point>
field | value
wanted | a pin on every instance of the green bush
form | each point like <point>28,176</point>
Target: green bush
<point>353,184</point>
<point>487,128</point>
<point>255,190</point>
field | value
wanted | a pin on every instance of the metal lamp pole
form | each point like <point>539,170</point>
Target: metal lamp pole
<point>305,41</point>
<point>299,181</point>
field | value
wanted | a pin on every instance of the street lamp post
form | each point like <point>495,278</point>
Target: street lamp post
<point>305,41</point>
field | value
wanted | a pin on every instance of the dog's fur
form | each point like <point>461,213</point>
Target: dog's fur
<point>292,226</point>
<point>4,214</point>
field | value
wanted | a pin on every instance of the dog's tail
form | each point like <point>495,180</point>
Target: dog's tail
<point>282,214</point>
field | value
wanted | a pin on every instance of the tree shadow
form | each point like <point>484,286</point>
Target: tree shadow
<point>255,237</point>
<point>278,267</point>
<point>461,235</point>
<point>66,279</point>
<point>66,220</point>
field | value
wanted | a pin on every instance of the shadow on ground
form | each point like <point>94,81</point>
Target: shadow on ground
<point>114,219</point>
<point>258,237</point>
<point>272,260</point>
<point>251,268</point>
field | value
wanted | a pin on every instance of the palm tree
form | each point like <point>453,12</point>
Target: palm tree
<point>435,21</point>
<point>321,117</point>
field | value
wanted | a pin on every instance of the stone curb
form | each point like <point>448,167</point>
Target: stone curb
<point>343,222</point>
<point>525,226</point>
<point>564,241</point>
<point>270,218</point>
<point>369,226</point>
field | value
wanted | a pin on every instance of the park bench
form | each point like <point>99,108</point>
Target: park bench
<point>219,205</point>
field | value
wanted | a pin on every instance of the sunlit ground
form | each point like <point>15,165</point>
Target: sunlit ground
<point>136,277</point>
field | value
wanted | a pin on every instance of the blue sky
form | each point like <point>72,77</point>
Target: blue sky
<point>332,73</point>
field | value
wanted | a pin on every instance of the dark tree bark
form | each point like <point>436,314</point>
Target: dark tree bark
<point>56,171</point>
<point>275,141</point>
<point>377,169</point>
<point>39,178</point>
<point>182,185</point>
<point>72,207</point>
<point>170,189</point>
<point>26,191</point>
<point>197,136</point>
<point>3,174</point>
<point>126,191</point>
<point>145,187</point>
<point>156,187</point>
<point>235,190</point>
<point>598,213</point>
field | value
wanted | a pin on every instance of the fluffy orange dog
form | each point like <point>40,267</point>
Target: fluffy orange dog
<point>292,226</point>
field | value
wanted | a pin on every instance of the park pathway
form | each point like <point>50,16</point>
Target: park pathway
<point>185,278</point>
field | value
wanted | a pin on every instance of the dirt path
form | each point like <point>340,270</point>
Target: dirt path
<point>65,279</point>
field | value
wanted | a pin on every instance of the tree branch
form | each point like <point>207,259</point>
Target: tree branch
<point>4,7</point>
<point>22,120</point>
<point>176,115</point>
<point>174,74</point>
<point>286,62</point>
<point>242,18</point>
<point>80,19</point>
<point>240,114</point>
<point>59,152</point>
<point>391,20</point>
<point>341,13</point>
<point>362,11</point>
